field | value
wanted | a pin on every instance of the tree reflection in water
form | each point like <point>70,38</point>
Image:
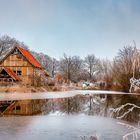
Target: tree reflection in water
<point>100,105</point>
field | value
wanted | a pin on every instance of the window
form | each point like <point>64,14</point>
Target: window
<point>19,72</point>
<point>18,56</point>
<point>18,108</point>
<point>15,52</point>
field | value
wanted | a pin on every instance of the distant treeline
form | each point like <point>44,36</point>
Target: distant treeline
<point>115,74</point>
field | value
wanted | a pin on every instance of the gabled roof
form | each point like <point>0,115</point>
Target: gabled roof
<point>27,55</point>
<point>12,74</point>
<point>30,57</point>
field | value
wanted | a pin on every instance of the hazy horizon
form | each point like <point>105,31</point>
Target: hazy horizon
<point>79,27</point>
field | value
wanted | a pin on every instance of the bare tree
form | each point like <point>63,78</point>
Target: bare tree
<point>91,65</point>
<point>50,64</point>
<point>6,43</point>
<point>53,66</point>
<point>77,67</point>
<point>65,66</point>
<point>125,66</point>
<point>70,67</point>
<point>105,73</point>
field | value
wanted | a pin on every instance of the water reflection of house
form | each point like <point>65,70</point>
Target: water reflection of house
<point>22,107</point>
<point>19,65</point>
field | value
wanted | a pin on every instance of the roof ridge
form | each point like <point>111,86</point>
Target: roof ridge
<point>30,57</point>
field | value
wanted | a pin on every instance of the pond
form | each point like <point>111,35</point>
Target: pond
<point>89,115</point>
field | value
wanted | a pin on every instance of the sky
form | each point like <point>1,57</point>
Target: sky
<point>74,27</point>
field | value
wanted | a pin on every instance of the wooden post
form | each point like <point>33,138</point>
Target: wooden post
<point>33,77</point>
<point>90,106</point>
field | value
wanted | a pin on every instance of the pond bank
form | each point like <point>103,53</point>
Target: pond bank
<point>32,89</point>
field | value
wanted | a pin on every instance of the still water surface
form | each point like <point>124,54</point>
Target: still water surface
<point>74,117</point>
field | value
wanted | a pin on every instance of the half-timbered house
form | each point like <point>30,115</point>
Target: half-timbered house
<point>19,65</point>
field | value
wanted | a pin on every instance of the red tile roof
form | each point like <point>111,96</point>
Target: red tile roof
<point>12,74</point>
<point>30,57</point>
